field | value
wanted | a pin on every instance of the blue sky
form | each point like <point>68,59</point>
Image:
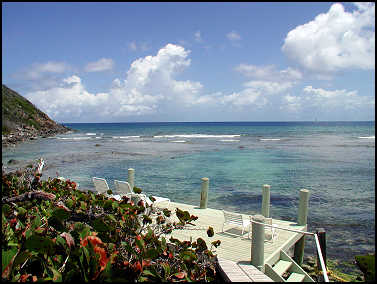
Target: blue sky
<point>120,62</point>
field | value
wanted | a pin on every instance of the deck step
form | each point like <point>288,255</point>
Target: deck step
<point>282,266</point>
<point>295,277</point>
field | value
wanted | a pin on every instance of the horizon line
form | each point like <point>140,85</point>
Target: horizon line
<point>223,121</point>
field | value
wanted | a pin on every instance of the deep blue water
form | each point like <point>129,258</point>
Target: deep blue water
<point>334,160</point>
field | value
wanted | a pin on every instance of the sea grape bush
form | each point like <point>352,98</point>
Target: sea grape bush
<point>51,231</point>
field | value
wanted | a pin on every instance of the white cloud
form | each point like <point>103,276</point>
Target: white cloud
<point>244,98</point>
<point>269,87</point>
<point>102,64</point>
<point>38,70</point>
<point>327,101</point>
<point>149,86</point>
<point>233,36</point>
<point>321,93</point>
<point>73,79</point>
<point>268,72</point>
<point>291,103</point>
<point>335,40</point>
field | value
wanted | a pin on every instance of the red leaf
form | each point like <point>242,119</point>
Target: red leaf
<point>146,262</point>
<point>180,275</point>
<point>24,277</point>
<point>68,238</point>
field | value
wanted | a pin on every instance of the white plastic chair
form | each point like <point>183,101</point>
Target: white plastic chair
<point>272,232</point>
<point>124,187</point>
<point>236,219</point>
<point>101,186</point>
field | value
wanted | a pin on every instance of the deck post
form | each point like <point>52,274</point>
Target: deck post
<point>266,200</point>
<point>131,177</point>
<point>204,193</point>
<point>321,233</point>
<point>257,243</point>
<point>302,219</point>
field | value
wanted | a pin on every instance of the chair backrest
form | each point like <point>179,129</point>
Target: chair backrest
<point>269,222</point>
<point>233,218</point>
<point>122,187</point>
<point>100,184</point>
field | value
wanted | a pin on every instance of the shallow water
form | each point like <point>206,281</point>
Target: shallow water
<point>334,160</point>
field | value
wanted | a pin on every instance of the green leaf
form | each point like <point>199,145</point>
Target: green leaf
<point>57,275</point>
<point>38,243</point>
<point>21,211</point>
<point>163,243</point>
<point>6,209</point>
<point>21,257</point>
<point>108,204</point>
<point>60,241</point>
<point>100,226</point>
<point>111,217</point>
<point>84,230</point>
<point>60,214</point>
<point>7,259</point>
<point>115,205</point>
<point>151,253</point>
<point>86,254</point>
<point>150,273</point>
<point>36,222</point>
<point>56,223</point>
<point>83,205</point>
<point>166,268</point>
<point>69,203</point>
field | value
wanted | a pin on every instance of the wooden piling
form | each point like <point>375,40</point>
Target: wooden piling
<point>131,177</point>
<point>302,220</point>
<point>204,193</point>
<point>321,233</point>
<point>257,243</point>
<point>266,200</point>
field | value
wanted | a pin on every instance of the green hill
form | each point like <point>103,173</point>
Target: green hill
<point>22,120</point>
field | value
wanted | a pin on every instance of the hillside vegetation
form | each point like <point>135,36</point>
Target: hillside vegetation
<point>22,120</point>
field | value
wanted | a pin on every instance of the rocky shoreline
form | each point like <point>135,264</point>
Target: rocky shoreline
<point>26,133</point>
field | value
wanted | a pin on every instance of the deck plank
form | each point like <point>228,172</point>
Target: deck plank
<point>232,247</point>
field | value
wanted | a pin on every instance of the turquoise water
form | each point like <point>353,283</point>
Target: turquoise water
<point>334,160</point>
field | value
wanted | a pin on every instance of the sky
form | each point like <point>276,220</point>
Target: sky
<point>225,61</point>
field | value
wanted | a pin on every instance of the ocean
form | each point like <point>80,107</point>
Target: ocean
<point>334,160</point>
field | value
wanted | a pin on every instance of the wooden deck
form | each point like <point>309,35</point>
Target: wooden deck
<point>233,247</point>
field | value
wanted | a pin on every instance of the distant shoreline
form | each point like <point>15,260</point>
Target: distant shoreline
<point>27,133</point>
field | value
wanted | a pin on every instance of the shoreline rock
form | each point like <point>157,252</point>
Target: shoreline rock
<point>26,133</point>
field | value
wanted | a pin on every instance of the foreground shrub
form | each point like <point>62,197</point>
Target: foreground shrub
<point>53,231</point>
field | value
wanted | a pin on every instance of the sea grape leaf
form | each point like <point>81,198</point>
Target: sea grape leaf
<point>6,209</point>
<point>100,225</point>
<point>108,204</point>
<point>83,205</point>
<point>57,275</point>
<point>60,214</point>
<point>38,243</point>
<point>151,253</point>
<point>21,211</point>
<point>69,203</point>
<point>37,222</point>
<point>56,223</point>
<point>21,257</point>
<point>7,259</point>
